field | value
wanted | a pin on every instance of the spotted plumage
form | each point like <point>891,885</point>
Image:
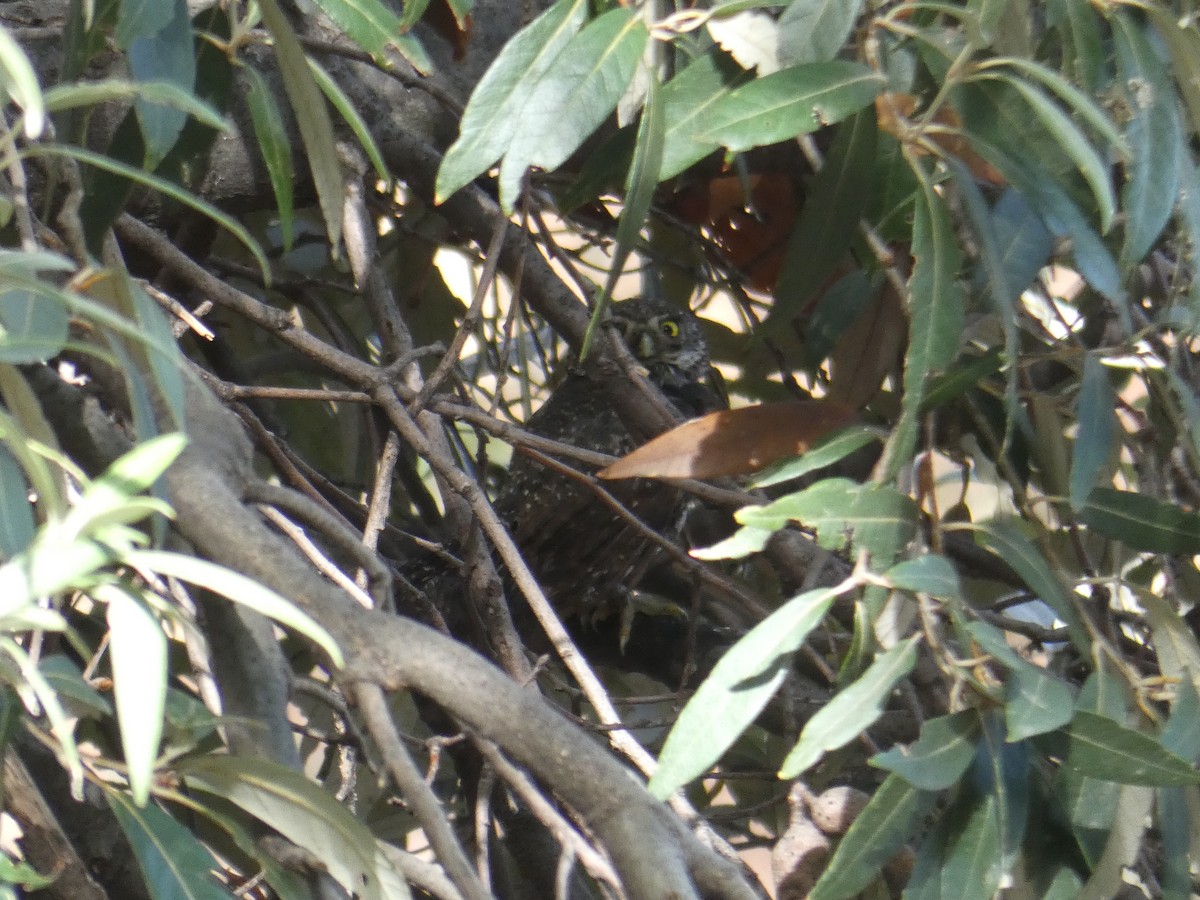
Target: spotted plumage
<point>583,553</point>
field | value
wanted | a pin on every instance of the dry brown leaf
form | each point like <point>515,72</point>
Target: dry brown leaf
<point>733,441</point>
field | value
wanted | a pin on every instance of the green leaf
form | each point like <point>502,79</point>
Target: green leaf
<point>1101,748</point>
<point>492,114</point>
<point>1175,824</point>
<point>937,308</point>
<point>17,526</point>
<point>138,647</point>
<point>362,131</point>
<point>312,118</point>
<point>239,589</point>
<point>295,807</point>
<point>141,18</point>
<point>274,144</point>
<point>894,812</point>
<point>1142,522</point>
<point>65,678</point>
<point>1000,131</point>
<point>31,330</point>
<point>1000,288</point>
<point>129,475</point>
<point>790,102</point>
<point>815,30</point>
<point>824,453</point>
<point>579,89</point>
<point>1154,135</point>
<point>1035,701</point>
<point>939,757</point>
<point>639,194</point>
<point>926,574</point>
<point>174,863</point>
<point>369,23</point>
<point>92,93</point>
<point>688,100</point>
<point>1183,43</point>
<point>164,186</point>
<point>853,710</point>
<point>829,220</point>
<point>1181,735</point>
<point>740,544</point>
<point>1096,439</point>
<point>1008,543</point>
<point>736,690</point>
<point>880,518</point>
<point>21,85</point>
<point>1177,649</point>
<point>164,55</point>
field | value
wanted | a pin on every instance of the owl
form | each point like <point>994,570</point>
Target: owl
<point>585,555</point>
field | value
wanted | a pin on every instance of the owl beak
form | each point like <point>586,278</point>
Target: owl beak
<point>645,346</point>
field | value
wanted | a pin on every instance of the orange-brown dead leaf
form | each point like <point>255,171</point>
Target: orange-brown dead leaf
<point>733,441</point>
<point>751,232</point>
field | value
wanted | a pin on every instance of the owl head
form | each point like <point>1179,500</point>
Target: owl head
<point>666,340</point>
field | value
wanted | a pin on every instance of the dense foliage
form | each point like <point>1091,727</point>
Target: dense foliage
<point>278,286</point>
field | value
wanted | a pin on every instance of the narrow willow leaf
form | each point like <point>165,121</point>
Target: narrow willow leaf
<point>895,811</point>
<point>312,118</point>
<point>237,588</point>
<point>878,518</point>
<point>828,223</point>
<point>346,108</point>
<point>1177,648</point>
<point>688,100</point>
<point>853,710</point>
<point>1075,144</point>
<point>138,647</point>
<point>1154,135</point>
<point>1104,749</point>
<point>17,526</point>
<point>274,145</point>
<point>826,452</point>
<point>164,186</point>
<point>494,110</point>
<point>1034,700</point>
<point>20,83</point>
<point>166,55</point>
<point>927,574</point>
<point>1142,522</point>
<point>91,93</point>
<point>937,307</point>
<point>741,543</point>
<point>639,193</point>
<point>578,90</point>
<point>815,30</point>
<point>31,330</point>
<point>173,861</point>
<point>789,103</point>
<point>736,690</point>
<point>369,23</point>
<point>295,807</point>
<point>940,756</point>
<point>1007,542</point>
<point>1095,441</point>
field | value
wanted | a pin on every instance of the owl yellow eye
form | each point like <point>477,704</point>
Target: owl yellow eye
<point>669,327</point>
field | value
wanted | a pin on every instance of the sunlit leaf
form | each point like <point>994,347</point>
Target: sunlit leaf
<point>138,647</point>
<point>790,102</point>
<point>736,690</point>
<point>174,863</point>
<point>940,757</point>
<point>852,710</point>
<point>295,807</point>
<point>1142,521</point>
<point>494,111</point>
<point>575,93</point>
